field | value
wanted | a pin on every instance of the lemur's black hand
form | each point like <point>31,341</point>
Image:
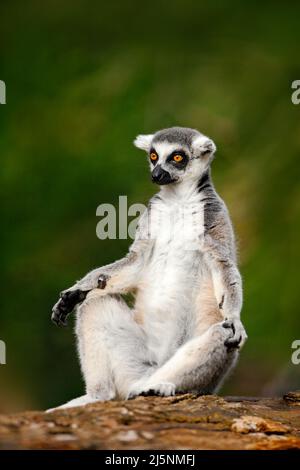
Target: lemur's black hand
<point>66,304</point>
<point>238,337</point>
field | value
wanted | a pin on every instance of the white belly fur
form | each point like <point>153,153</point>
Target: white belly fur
<point>169,291</point>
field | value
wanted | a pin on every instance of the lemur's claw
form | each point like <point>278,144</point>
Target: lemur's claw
<point>66,304</point>
<point>149,393</point>
<point>163,389</point>
<point>102,281</point>
<point>233,343</point>
<point>238,336</point>
<point>229,324</point>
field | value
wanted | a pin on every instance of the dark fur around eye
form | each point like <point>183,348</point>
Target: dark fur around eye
<point>180,165</point>
<point>153,161</point>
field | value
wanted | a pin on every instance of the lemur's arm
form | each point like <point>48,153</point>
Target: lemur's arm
<point>219,252</point>
<point>118,277</point>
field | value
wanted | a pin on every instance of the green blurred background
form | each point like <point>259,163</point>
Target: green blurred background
<point>83,78</point>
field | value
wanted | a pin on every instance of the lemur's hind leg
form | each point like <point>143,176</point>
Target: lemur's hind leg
<point>111,346</point>
<point>200,365</point>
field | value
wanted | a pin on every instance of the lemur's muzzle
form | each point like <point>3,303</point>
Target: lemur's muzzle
<point>161,176</point>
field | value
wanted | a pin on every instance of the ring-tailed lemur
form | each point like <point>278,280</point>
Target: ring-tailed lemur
<point>184,332</point>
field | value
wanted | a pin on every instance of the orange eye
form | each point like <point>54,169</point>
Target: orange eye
<point>178,158</point>
<point>153,157</point>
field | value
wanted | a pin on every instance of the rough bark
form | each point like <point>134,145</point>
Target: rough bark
<point>181,422</point>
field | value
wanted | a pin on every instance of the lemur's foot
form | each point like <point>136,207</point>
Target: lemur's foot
<point>80,401</point>
<point>66,304</point>
<point>163,389</point>
<point>238,336</point>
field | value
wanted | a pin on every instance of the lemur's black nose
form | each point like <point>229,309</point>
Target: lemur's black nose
<point>161,176</point>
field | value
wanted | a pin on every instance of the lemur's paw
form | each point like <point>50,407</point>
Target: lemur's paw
<point>66,304</point>
<point>238,334</point>
<point>80,401</point>
<point>163,389</point>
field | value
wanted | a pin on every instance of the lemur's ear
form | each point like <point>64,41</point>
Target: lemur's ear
<point>202,146</point>
<point>143,142</point>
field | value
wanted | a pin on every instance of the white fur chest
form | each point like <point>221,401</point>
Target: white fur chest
<point>174,222</point>
<point>173,273</point>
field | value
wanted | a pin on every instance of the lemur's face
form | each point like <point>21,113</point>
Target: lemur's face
<point>176,154</point>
